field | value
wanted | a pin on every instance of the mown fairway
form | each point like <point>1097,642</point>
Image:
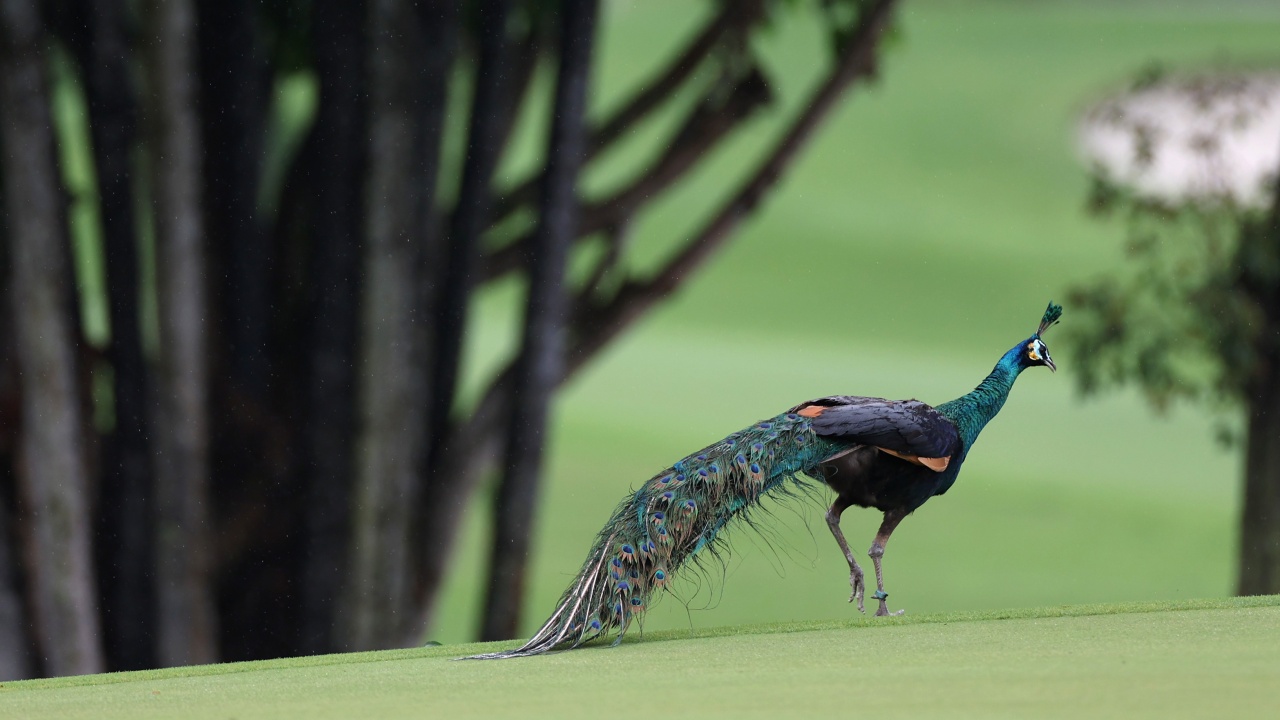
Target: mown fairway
<point>916,242</point>
<point>1204,659</point>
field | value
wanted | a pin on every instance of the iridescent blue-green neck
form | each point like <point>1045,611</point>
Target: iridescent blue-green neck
<point>973,411</point>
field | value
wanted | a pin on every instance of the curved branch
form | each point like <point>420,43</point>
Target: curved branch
<point>708,125</point>
<point>735,18</point>
<point>597,325</point>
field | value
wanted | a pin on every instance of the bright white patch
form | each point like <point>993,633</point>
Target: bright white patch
<point>1036,351</point>
<point>1209,139</point>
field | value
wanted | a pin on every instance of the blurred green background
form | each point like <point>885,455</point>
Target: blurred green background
<point>917,240</point>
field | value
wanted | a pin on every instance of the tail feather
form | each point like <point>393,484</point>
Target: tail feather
<point>679,512</point>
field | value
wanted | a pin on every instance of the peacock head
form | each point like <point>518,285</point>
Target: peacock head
<point>1034,351</point>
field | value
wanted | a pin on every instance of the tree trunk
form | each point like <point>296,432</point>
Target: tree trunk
<point>338,170</point>
<point>234,92</point>
<point>1259,571</point>
<point>471,214</point>
<point>541,362</point>
<point>407,97</point>
<point>52,467</point>
<point>16,658</point>
<point>15,654</point>
<point>123,542</point>
<point>187,620</point>
<point>1259,558</point>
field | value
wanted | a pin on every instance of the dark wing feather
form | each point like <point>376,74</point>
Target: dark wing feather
<point>903,426</point>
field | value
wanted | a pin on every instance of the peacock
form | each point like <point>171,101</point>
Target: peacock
<point>892,455</point>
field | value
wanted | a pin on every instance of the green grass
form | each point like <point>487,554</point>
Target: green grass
<point>916,241</point>
<point>1166,660</point>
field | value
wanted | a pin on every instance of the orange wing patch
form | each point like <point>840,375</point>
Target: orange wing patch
<point>812,411</point>
<point>934,464</point>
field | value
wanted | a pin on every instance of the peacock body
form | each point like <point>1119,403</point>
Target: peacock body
<point>889,454</point>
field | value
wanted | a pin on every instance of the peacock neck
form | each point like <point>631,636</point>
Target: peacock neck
<point>973,411</point>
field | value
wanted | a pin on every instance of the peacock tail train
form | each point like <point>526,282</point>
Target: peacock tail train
<point>677,513</point>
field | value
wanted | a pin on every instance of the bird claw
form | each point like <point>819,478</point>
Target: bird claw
<point>884,611</point>
<point>859,588</point>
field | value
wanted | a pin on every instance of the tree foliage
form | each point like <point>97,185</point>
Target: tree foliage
<point>1194,315</point>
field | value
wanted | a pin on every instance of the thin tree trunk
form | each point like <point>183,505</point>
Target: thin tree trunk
<point>338,171</point>
<point>187,620</point>
<point>16,658</point>
<point>251,450</point>
<point>471,215</point>
<point>123,543</point>
<point>541,361</point>
<point>406,105</point>
<point>52,461</point>
<point>234,92</point>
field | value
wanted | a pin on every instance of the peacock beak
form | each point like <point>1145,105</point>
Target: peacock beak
<point>1048,361</point>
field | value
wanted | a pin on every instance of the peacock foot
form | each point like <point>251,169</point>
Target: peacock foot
<point>883,610</point>
<point>859,588</point>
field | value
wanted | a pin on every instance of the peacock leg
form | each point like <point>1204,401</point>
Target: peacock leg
<point>855,572</point>
<point>891,520</point>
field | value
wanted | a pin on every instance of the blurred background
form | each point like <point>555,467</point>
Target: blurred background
<point>344,325</point>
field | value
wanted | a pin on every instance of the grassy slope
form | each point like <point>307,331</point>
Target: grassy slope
<point>1169,660</point>
<point>917,240</point>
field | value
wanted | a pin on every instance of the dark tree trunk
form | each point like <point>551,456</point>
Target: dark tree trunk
<point>123,542</point>
<point>16,658</point>
<point>541,361</point>
<point>187,622</point>
<point>337,171</point>
<point>1259,570</point>
<point>252,449</point>
<point>471,214</point>
<point>1259,558</point>
<point>52,462</point>
<point>15,648</point>
<point>408,59</point>
<point>234,92</point>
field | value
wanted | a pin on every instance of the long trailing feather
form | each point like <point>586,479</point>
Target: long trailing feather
<point>675,515</point>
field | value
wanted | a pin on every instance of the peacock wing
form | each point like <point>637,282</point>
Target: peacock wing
<point>909,429</point>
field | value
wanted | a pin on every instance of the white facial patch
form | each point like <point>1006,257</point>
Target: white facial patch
<point>1035,350</point>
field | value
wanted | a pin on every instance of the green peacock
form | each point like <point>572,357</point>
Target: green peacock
<point>892,455</point>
